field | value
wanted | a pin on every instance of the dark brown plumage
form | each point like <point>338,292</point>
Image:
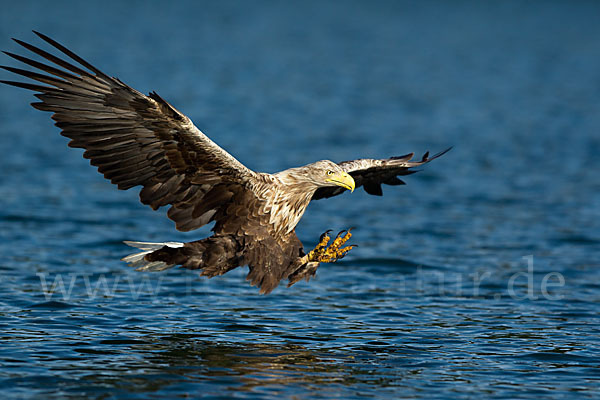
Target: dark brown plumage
<point>139,140</point>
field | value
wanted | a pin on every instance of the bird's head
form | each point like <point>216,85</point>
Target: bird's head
<point>319,174</point>
<point>327,173</point>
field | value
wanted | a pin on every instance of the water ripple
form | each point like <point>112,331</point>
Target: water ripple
<point>479,278</point>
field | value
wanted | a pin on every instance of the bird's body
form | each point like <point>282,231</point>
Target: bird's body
<point>139,140</point>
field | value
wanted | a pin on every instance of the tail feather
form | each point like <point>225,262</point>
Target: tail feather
<point>138,261</point>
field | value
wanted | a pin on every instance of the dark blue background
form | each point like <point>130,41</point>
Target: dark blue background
<point>513,85</point>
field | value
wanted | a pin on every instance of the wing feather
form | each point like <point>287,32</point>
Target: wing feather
<point>133,139</point>
<point>372,173</point>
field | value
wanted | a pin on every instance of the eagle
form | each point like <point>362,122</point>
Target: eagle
<point>138,140</point>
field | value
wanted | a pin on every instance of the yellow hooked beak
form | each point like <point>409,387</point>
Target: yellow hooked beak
<point>342,179</point>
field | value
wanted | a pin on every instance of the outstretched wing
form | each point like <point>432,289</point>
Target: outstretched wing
<point>371,173</point>
<point>133,139</point>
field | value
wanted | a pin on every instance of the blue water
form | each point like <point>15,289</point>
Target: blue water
<point>480,278</point>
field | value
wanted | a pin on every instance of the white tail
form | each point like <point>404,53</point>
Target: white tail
<point>137,261</point>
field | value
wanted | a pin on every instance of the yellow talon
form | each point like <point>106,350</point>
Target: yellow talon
<point>342,252</point>
<point>322,253</point>
<point>324,239</point>
<point>340,240</point>
<point>317,253</point>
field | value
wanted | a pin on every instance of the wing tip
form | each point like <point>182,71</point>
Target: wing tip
<point>426,158</point>
<point>29,86</point>
<point>19,41</point>
<point>43,37</point>
<point>441,153</point>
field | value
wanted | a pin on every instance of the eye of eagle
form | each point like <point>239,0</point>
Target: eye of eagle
<point>329,172</point>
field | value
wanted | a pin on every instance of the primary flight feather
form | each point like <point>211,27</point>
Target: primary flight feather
<point>139,140</point>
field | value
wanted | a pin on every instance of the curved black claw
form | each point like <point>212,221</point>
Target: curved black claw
<point>330,251</point>
<point>324,234</point>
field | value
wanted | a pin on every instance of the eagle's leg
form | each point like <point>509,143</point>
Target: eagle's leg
<point>334,251</point>
<point>320,248</point>
<point>308,264</point>
<point>306,271</point>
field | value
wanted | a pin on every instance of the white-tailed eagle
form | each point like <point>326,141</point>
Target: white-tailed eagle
<point>139,140</point>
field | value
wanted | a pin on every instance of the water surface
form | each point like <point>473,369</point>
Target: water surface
<point>478,278</point>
